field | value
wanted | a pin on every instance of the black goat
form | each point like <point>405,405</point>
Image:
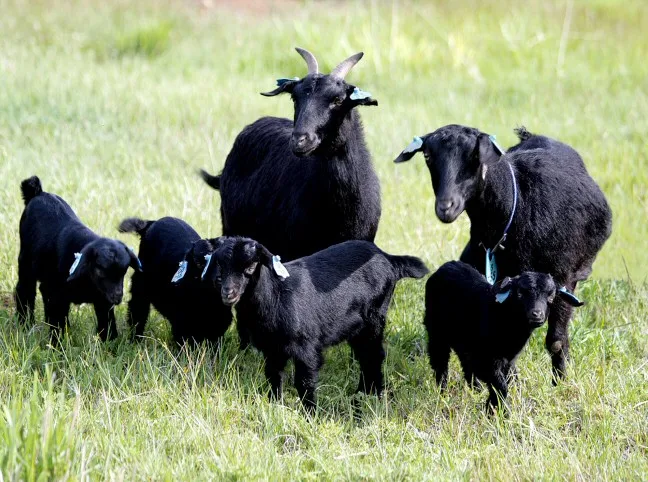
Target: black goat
<point>487,326</point>
<point>174,258</point>
<point>301,186</point>
<point>294,312</point>
<point>538,198</point>
<point>72,264</point>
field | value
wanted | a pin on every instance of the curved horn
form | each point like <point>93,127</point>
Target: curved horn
<point>345,66</point>
<point>310,59</point>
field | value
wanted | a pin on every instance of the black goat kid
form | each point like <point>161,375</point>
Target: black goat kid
<point>72,264</point>
<point>174,258</point>
<point>487,326</point>
<point>537,200</point>
<point>303,185</point>
<point>296,311</point>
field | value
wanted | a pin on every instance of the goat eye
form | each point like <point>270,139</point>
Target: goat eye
<point>250,269</point>
<point>337,102</point>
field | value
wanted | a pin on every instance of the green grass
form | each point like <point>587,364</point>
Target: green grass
<point>116,104</point>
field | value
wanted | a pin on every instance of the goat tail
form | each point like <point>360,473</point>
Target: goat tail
<point>522,133</point>
<point>409,266</point>
<point>30,188</point>
<point>134,225</point>
<point>213,181</point>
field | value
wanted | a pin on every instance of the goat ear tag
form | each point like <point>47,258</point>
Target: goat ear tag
<point>501,297</point>
<point>182,270</point>
<point>358,94</point>
<point>77,260</point>
<point>498,149</point>
<point>285,80</point>
<point>414,146</point>
<point>279,268</point>
<point>571,296</point>
<point>208,259</point>
<point>491,267</point>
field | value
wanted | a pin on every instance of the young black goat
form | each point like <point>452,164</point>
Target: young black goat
<point>556,216</point>
<point>487,326</point>
<point>174,258</point>
<point>339,294</point>
<point>72,264</point>
<point>303,185</point>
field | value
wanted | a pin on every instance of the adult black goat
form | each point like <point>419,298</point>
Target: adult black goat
<point>299,187</point>
<point>537,199</point>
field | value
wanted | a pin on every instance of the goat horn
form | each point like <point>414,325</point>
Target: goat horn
<point>310,59</point>
<point>345,66</point>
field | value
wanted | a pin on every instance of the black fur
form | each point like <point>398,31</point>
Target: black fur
<point>462,314</point>
<point>339,294</point>
<point>194,312</point>
<point>562,218</point>
<point>50,235</point>
<point>303,185</point>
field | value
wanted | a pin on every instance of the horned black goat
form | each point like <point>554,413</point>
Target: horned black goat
<point>300,186</point>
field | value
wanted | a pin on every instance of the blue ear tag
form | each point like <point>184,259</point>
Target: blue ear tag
<point>493,139</point>
<point>358,94</point>
<point>279,268</point>
<point>491,267</point>
<point>570,295</point>
<point>285,80</point>
<point>414,146</point>
<point>208,259</point>
<point>501,297</point>
<point>182,270</point>
<point>77,260</point>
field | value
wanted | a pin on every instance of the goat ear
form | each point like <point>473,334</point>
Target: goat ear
<point>265,256</point>
<point>410,151</point>
<point>134,263</point>
<point>283,85</point>
<point>360,97</point>
<point>570,297</point>
<point>488,152</point>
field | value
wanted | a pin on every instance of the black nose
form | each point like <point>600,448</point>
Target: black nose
<point>300,139</point>
<point>537,315</point>
<point>445,204</point>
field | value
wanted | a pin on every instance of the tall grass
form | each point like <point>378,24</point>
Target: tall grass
<point>115,104</point>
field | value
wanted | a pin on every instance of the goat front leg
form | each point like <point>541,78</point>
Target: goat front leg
<point>106,323</point>
<point>497,384</point>
<point>306,373</point>
<point>557,341</point>
<point>274,368</point>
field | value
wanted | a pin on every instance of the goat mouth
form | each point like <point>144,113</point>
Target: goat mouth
<point>536,323</point>
<point>448,217</point>
<point>231,301</point>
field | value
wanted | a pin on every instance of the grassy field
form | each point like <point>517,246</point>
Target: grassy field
<point>116,104</point>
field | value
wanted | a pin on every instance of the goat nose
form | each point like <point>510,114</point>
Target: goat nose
<point>445,204</point>
<point>537,314</point>
<point>227,292</point>
<point>300,139</point>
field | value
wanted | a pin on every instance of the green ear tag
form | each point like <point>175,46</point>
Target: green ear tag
<point>491,267</point>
